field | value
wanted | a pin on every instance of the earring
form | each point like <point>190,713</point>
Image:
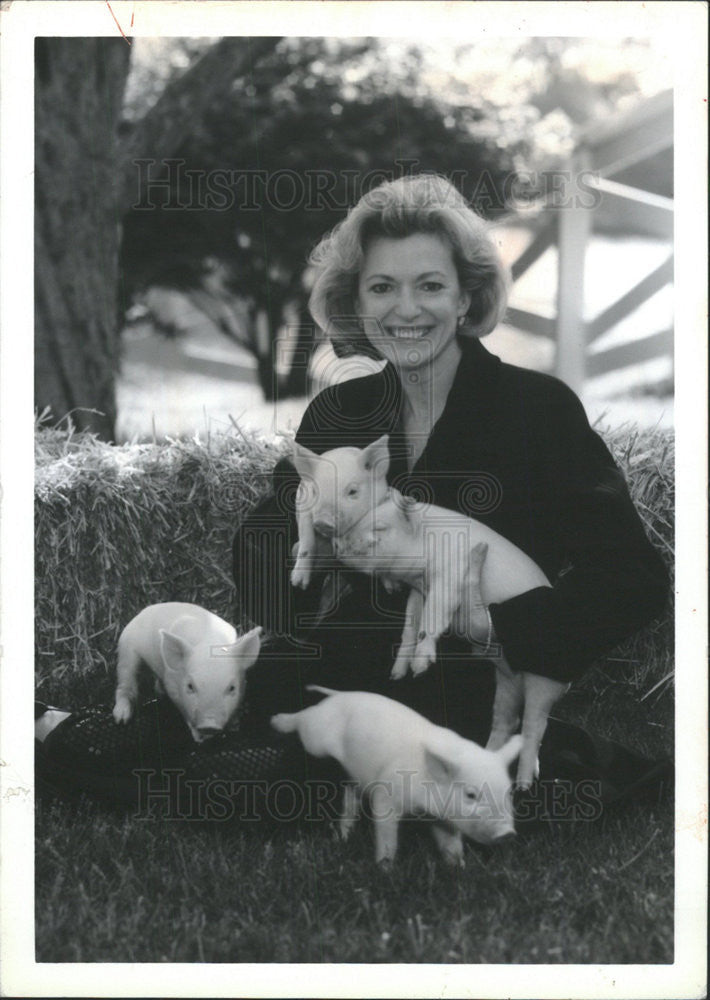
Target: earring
<point>461,322</point>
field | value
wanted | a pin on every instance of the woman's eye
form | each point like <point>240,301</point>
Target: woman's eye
<point>381,288</point>
<point>432,286</point>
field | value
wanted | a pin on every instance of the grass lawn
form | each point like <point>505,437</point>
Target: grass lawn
<point>113,887</point>
<point>121,528</point>
<point>141,891</point>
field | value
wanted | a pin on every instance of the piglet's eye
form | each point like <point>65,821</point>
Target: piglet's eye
<point>471,794</point>
<point>231,689</point>
<point>190,687</point>
<point>353,491</point>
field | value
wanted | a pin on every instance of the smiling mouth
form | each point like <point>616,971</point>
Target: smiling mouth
<point>408,332</point>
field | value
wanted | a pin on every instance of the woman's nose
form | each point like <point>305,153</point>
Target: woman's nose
<point>407,304</point>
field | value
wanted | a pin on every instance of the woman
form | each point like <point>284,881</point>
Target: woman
<point>412,277</point>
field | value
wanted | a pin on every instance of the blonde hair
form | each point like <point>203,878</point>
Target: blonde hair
<point>425,203</point>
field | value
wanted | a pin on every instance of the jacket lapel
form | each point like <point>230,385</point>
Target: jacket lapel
<point>462,434</point>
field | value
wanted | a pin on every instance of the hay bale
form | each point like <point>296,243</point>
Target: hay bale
<point>120,527</point>
<point>645,662</point>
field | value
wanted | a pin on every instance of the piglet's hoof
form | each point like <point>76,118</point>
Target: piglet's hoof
<point>401,663</point>
<point>300,578</point>
<point>420,665</point>
<point>424,656</point>
<point>453,861</point>
<point>122,710</point>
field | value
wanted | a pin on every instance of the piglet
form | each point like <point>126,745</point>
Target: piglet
<point>336,490</point>
<point>408,766</point>
<point>197,659</point>
<point>455,566</point>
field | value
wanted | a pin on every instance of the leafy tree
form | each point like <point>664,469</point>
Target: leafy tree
<point>267,171</point>
<point>84,183</point>
<point>299,127</point>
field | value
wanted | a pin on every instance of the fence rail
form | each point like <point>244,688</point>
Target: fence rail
<point>624,144</point>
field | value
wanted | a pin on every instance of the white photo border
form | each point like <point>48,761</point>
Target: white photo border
<point>684,27</point>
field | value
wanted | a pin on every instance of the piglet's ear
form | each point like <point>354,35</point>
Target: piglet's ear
<point>402,500</point>
<point>406,505</point>
<point>304,459</point>
<point>511,750</point>
<point>377,455</point>
<point>440,769</point>
<point>173,649</point>
<point>247,647</point>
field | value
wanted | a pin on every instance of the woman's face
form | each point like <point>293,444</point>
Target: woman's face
<point>409,299</point>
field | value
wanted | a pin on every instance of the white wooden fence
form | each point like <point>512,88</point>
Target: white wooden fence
<point>637,146</point>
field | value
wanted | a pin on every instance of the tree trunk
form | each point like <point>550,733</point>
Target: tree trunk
<point>296,383</point>
<point>84,184</point>
<point>79,86</point>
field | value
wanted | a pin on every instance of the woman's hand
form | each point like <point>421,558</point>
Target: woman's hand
<point>473,621</point>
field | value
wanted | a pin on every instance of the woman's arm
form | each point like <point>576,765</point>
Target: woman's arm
<point>615,583</point>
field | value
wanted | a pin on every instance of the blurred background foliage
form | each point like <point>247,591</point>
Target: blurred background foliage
<point>352,111</point>
<point>322,120</point>
<point>337,117</point>
<point>353,108</point>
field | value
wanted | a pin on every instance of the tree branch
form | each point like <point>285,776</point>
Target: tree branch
<point>160,133</point>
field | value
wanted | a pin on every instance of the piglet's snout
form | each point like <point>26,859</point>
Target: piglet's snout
<point>502,838</point>
<point>324,527</point>
<point>207,731</point>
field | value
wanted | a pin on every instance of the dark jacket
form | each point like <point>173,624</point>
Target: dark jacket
<point>513,448</point>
